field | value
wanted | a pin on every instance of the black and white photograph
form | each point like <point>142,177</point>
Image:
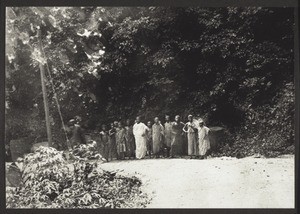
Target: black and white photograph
<point>113,107</point>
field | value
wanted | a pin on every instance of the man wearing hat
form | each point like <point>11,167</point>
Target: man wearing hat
<point>204,144</point>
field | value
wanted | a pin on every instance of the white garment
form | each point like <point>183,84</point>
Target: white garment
<point>192,139</point>
<point>204,143</point>
<point>139,132</point>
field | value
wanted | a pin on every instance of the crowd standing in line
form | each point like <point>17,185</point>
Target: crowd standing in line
<point>153,140</point>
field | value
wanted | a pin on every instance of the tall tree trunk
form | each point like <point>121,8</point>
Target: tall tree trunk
<point>45,98</point>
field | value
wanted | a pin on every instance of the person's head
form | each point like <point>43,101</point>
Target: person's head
<point>120,125</point>
<point>128,122</point>
<point>201,123</point>
<point>167,118</point>
<point>78,119</point>
<point>156,120</point>
<point>111,125</point>
<point>103,127</point>
<point>138,119</point>
<point>116,123</point>
<point>190,118</point>
<point>149,123</point>
<point>177,118</point>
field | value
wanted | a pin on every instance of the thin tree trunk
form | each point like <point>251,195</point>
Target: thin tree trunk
<point>45,98</point>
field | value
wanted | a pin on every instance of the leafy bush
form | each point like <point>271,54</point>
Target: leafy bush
<point>86,152</point>
<point>50,181</point>
<point>268,130</point>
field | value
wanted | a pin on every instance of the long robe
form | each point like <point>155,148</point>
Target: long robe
<point>192,138</point>
<point>112,143</point>
<point>177,138</point>
<point>157,137</point>
<point>149,140</point>
<point>104,138</point>
<point>121,140</point>
<point>168,134</point>
<point>130,145</point>
<point>139,132</point>
<point>204,144</point>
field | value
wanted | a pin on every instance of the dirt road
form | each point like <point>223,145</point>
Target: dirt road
<point>214,183</point>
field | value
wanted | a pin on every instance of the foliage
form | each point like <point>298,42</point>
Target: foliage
<point>86,152</point>
<point>49,181</point>
<point>264,135</point>
<point>233,66</point>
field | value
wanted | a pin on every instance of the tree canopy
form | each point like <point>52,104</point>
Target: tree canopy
<point>232,66</point>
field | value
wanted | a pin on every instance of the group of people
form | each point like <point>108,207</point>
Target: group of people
<point>154,140</point>
<point>169,139</point>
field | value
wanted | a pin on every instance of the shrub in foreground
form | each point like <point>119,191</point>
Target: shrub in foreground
<point>50,181</point>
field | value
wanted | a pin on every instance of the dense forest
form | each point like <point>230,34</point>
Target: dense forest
<point>232,66</point>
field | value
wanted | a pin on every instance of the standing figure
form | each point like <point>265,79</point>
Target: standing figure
<point>149,139</point>
<point>157,137</point>
<point>77,136</point>
<point>139,132</point>
<point>121,141</point>
<point>203,136</point>
<point>190,129</point>
<point>168,134</point>
<point>104,140</point>
<point>114,148</point>
<point>112,140</point>
<point>130,145</point>
<point>177,137</point>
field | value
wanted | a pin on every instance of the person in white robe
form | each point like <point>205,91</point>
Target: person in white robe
<point>203,137</point>
<point>190,129</point>
<point>139,132</point>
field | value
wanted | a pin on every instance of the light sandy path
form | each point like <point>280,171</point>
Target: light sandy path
<point>214,183</point>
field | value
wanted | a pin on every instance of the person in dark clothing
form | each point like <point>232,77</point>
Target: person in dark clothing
<point>157,137</point>
<point>121,141</point>
<point>104,140</point>
<point>167,135</point>
<point>112,141</point>
<point>77,135</point>
<point>177,137</point>
<point>149,138</point>
<point>130,144</point>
